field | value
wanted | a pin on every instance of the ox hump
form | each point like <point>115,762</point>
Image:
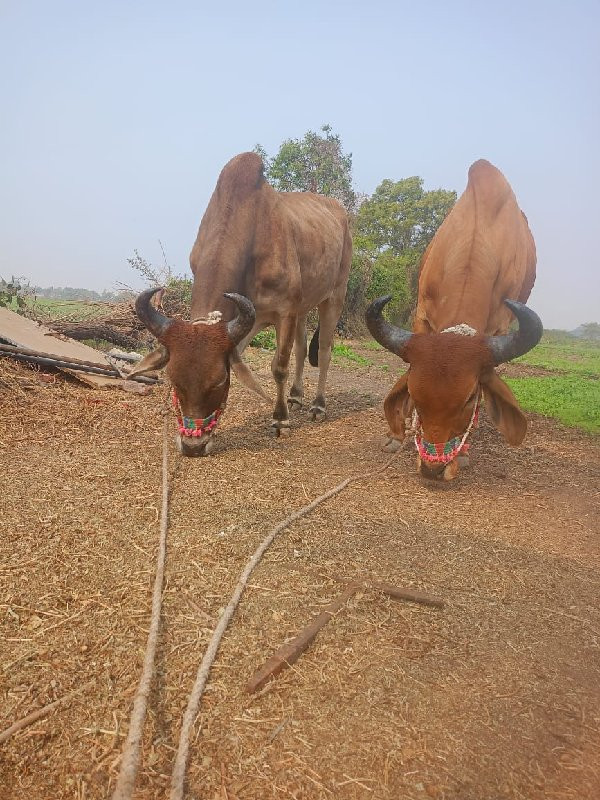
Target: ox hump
<point>241,176</point>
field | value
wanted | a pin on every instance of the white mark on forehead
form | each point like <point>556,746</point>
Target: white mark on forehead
<point>212,319</point>
<point>462,330</point>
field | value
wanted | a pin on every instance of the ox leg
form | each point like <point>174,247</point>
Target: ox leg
<point>280,367</point>
<point>328,317</point>
<point>296,394</point>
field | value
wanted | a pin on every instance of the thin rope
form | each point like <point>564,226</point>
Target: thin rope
<point>179,768</point>
<point>131,750</point>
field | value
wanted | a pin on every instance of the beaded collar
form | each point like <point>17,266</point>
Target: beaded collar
<point>188,426</point>
<point>443,452</point>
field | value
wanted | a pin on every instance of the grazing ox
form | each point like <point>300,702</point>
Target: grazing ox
<point>261,258</point>
<point>479,267</point>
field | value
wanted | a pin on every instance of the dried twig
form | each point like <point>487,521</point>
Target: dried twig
<point>131,750</point>
<point>39,713</point>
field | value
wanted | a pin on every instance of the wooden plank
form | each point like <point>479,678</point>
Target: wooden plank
<point>23,332</point>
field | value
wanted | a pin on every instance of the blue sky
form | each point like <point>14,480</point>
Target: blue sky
<point>117,118</point>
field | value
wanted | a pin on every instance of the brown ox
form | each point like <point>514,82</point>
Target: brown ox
<point>479,267</point>
<point>261,258</point>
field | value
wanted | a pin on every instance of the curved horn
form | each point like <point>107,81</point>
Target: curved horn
<point>156,322</point>
<point>240,326</point>
<point>514,344</point>
<point>392,338</point>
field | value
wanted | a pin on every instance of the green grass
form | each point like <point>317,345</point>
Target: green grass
<point>74,309</point>
<point>572,356</point>
<point>344,351</point>
<point>371,344</point>
<point>575,401</point>
<point>265,339</point>
<point>572,394</point>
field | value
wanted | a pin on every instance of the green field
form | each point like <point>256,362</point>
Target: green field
<point>558,352</point>
<point>570,392</point>
<point>76,310</point>
<point>60,309</point>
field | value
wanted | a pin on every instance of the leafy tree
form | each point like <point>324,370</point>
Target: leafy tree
<point>14,293</point>
<point>392,228</point>
<point>315,163</point>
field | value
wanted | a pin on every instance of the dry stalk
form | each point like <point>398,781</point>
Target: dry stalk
<point>131,750</point>
<point>24,722</point>
<point>179,768</point>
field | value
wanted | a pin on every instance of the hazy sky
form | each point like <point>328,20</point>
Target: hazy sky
<point>117,118</point>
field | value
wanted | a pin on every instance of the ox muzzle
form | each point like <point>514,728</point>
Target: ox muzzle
<point>441,461</point>
<point>195,436</point>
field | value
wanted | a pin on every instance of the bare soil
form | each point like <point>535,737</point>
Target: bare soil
<point>495,696</point>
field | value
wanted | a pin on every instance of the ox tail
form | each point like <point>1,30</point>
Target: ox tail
<point>313,350</point>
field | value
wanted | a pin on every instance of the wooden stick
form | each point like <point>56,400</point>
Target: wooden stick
<point>131,749</point>
<point>39,713</point>
<point>290,652</point>
<point>397,592</point>
<point>66,362</point>
<point>404,594</point>
<point>27,351</point>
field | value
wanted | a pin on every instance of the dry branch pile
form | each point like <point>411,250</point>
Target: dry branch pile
<point>111,322</point>
<point>116,323</point>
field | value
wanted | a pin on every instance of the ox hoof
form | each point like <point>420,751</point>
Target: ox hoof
<point>280,429</point>
<point>392,445</point>
<point>294,403</point>
<point>317,413</point>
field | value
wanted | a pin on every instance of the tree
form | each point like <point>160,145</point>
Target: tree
<point>392,228</point>
<point>315,163</point>
<point>14,294</point>
<point>590,330</point>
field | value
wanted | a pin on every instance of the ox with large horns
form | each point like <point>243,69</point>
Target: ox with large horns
<point>476,273</point>
<point>261,258</point>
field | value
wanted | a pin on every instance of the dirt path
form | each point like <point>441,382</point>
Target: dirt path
<point>495,696</point>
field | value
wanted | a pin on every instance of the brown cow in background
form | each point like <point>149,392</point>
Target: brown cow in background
<point>261,258</point>
<point>479,267</point>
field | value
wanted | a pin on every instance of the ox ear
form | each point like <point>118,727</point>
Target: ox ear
<point>245,376</point>
<point>397,406</point>
<point>503,408</point>
<point>155,360</point>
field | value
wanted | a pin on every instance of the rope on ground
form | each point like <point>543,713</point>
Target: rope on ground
<point>131,749</point>
<point>179,768</point>
<point>24,722</point>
